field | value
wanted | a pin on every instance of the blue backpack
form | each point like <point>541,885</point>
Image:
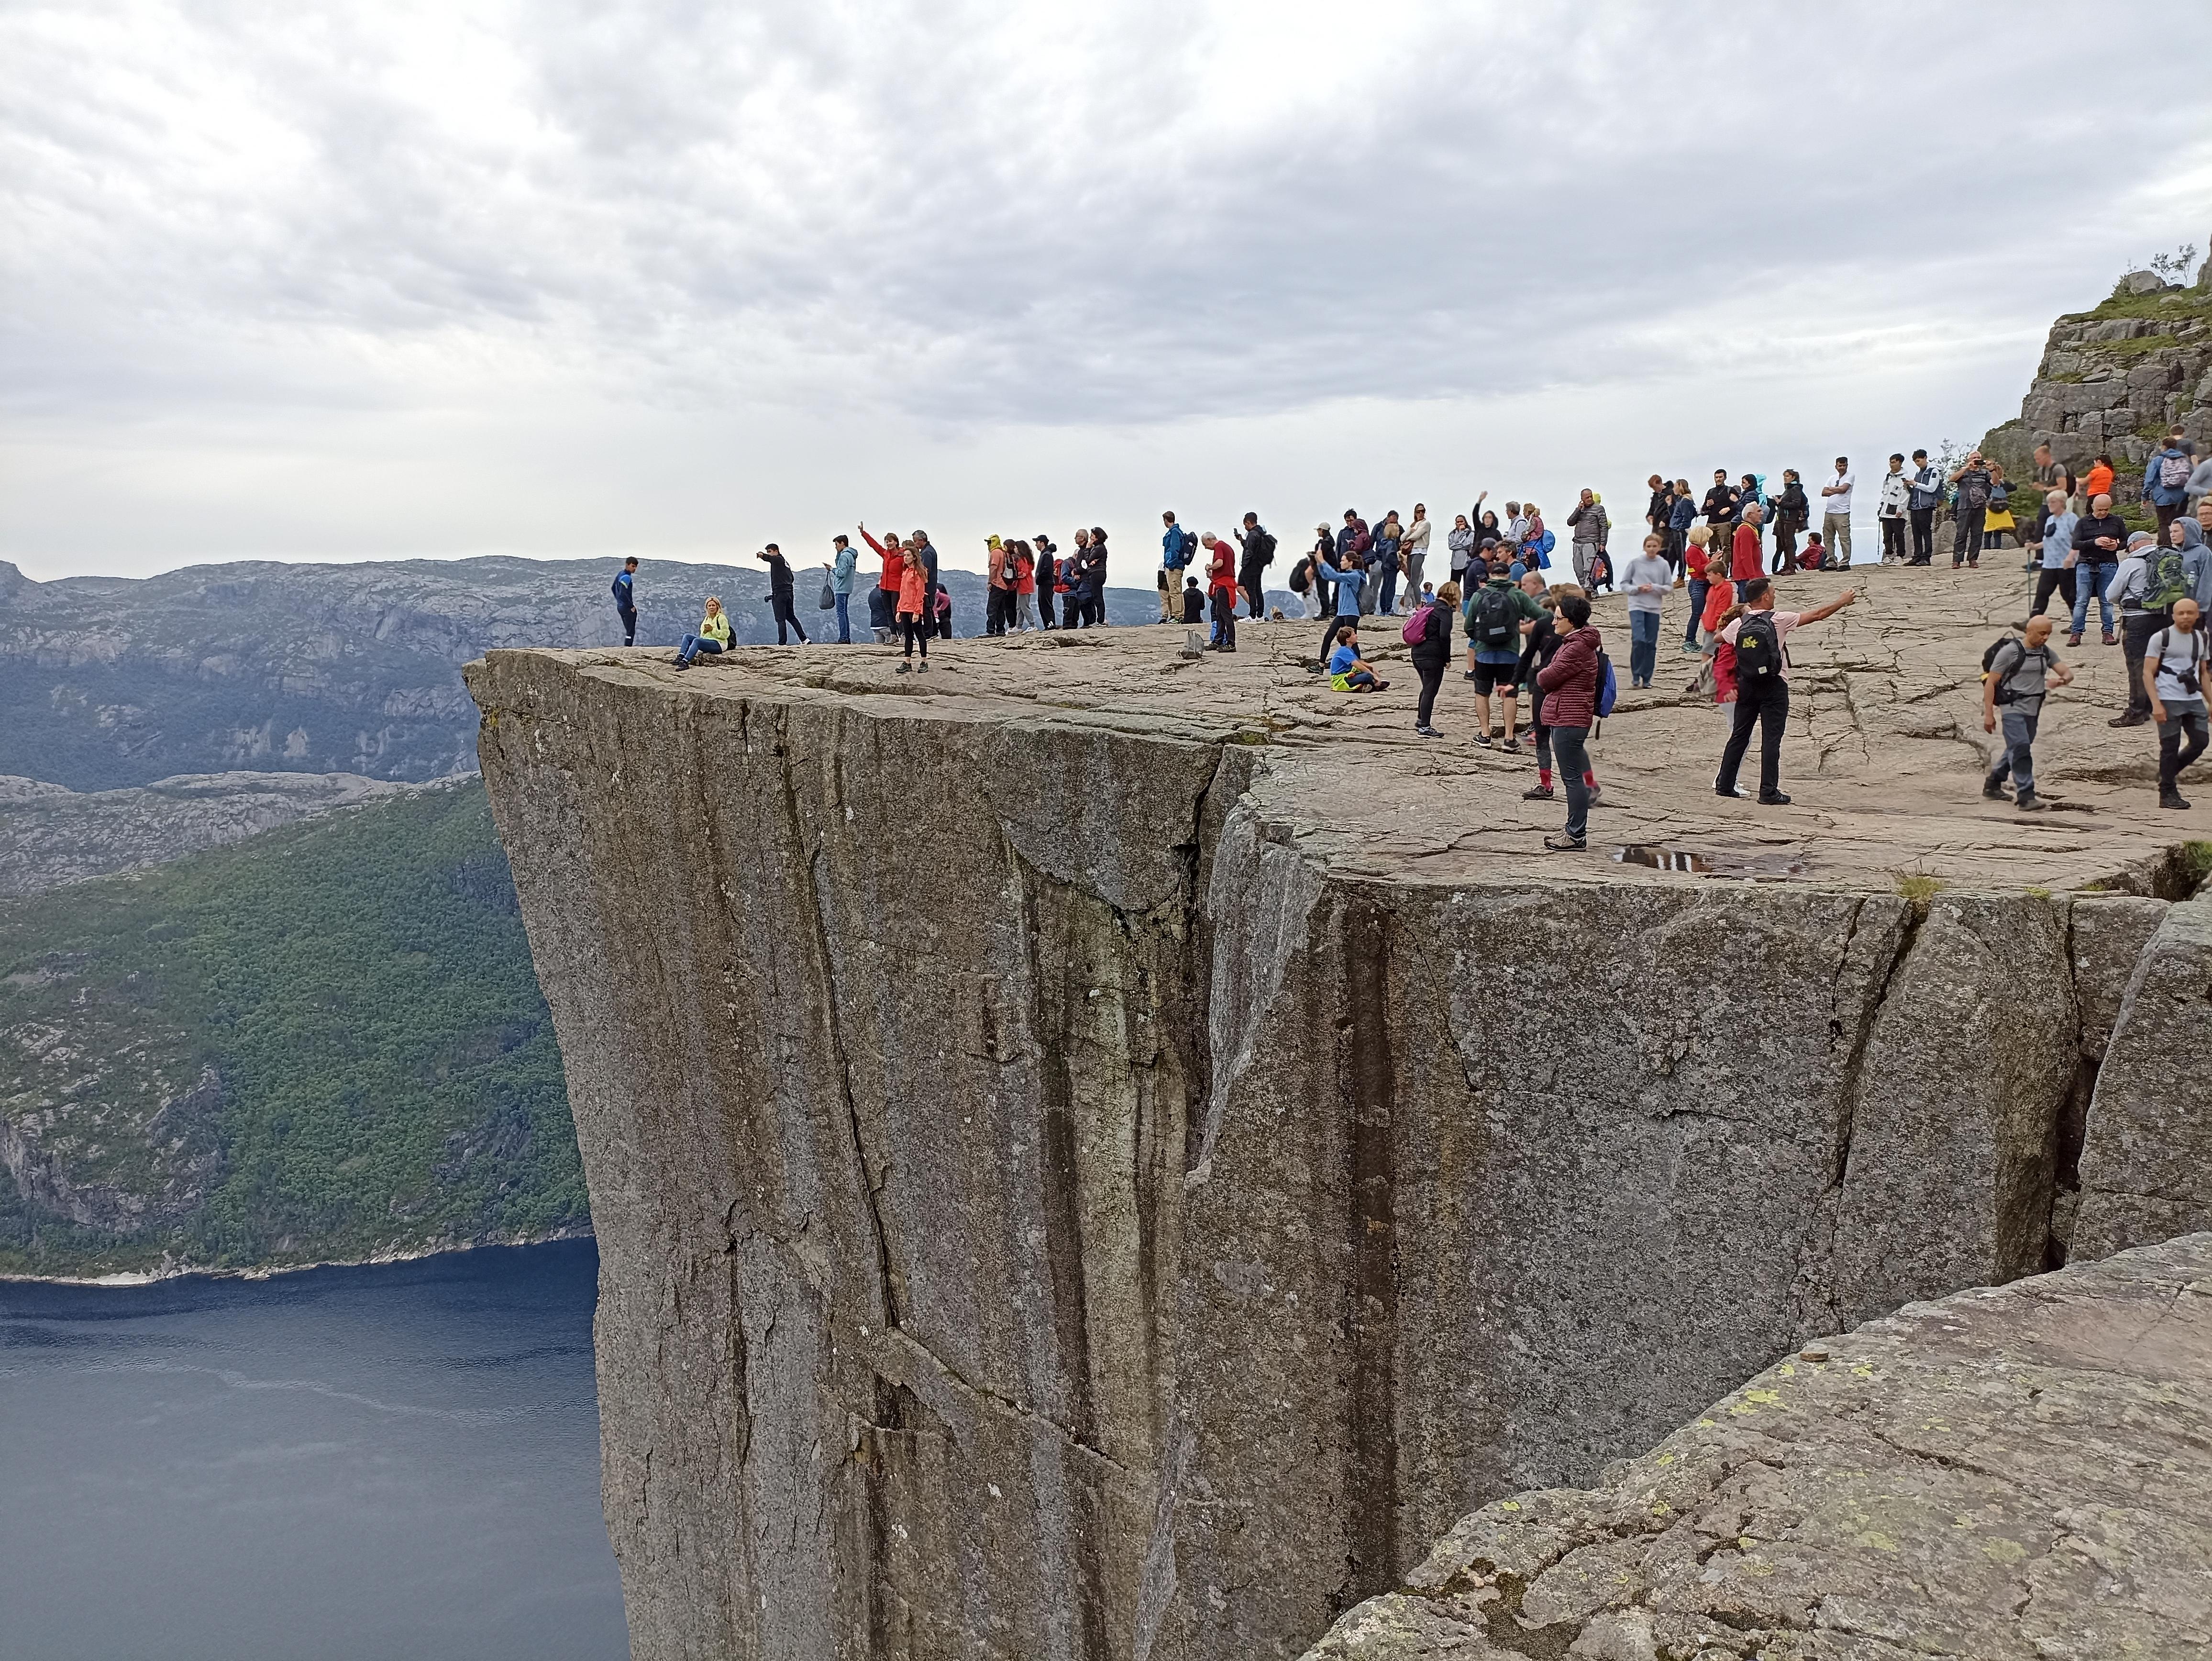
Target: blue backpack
<point>1607,688</point>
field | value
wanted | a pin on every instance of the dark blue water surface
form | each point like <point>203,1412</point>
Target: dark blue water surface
<point>355,1464</point>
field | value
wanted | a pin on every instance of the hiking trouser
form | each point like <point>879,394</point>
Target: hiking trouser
<point>1967,535</point>
<point>1570,747</point>
<point>2167,512</point>
<point>1923,534</point>
<point>2135,630</point>
<point>1892,539</point>
<point>2180,719</point>
<point>1839,529</point>
<point>1643,647</point>
<point>2093,578</point>
<point>1070,609</point>
<point>1699,589</point>
<point>1170,594</point>
<point>629,616</point>
<point>1432,678</point>
<point>786,618</point>
<point>1249,577</point>
<point>2018,726</point>
<point>1337,625</point>
<point>844,619</point>
<point>1765,706</point>
<point>2049,578</point>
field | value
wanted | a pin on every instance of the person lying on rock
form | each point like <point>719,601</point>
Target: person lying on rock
<point>1349,673</point>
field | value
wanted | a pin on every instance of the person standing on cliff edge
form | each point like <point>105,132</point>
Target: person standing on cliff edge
<point>1762,684</point>
<point>626,600</point>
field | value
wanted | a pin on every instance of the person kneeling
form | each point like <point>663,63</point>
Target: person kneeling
<point>1349,673</point>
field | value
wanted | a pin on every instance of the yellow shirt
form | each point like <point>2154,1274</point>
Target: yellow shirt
<point>716,629</point>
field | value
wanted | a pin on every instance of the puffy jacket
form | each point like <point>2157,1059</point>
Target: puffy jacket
<point>1570,680</point>
<point>1684,514</point>
<point>1590,523</point>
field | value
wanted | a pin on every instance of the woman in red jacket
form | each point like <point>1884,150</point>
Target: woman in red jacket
<point>1569,687</point>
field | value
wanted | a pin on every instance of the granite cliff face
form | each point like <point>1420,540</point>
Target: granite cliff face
<point>1095,1155</point>
<point>2115,379</point>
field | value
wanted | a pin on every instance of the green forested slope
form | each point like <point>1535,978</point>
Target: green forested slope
<point>325,1042</point>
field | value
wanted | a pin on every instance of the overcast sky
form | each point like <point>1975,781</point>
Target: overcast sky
<point>294,280</point>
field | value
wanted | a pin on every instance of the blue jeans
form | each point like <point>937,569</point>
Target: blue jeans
<point>2090,578</point>
<point>2018,727</point>
<point>695,644</point>
<point>1699,589</point>
<point>1643,647</point>
<point>844,619</point>
<point>1389,587</point>
<point>1572,757</point>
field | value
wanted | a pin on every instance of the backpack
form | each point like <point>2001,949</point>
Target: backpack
<point>1417,626</point>
<point>1758,650</point>
<point>1608,689</point>
<point>2155,652</point>
<point>1544,544</point>
<point>2173,473</point>
<point>1302,575</point>
<point>1491,622</point>
<point>1179,555</point>
<point>1264,547</point>
<point>2003,693</point>
<point>2165,579</point>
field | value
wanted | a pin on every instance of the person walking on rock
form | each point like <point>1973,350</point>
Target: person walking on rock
<point>779,595</point>
<point>2144,587</point>
<point>2013,687</point>
<point>1762,684</point>
<point>1921,507</point>
<point>1568,683</point>
<point>2099,539</point>
<point>1431,653</point>
<point>1836,513</point>
<point>2052,541</point>
<point>1891,512</point>
<point>1646,581</point>
<point>2173,669</point>
<point>626,600</point>
<point>1590,523</point>
<point>713,637</point>
<point>843,560</point>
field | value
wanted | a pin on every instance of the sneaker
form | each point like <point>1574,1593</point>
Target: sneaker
<point>2111,639</point>
<point>1470,674</point>
<point>1539,792</point>
<point>1730,790</point>
<point>1992,790</point>
<point>2129,719</point>
<point>1597,795</point>
<point>2171,798</point>
<point>1483,739</point>
<point>2074,638</point>
<point>681,666</point>
<point>906,668</point>
<point>1777,799</point>
<point>2029,802</point>
<point>1513,745</point>
<point>924,668</point>
<point>1427,733</point>
<point>1564,844</point>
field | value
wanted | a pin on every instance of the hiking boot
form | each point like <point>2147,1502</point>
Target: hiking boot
<point>2029,802</point>
<point>906,668</point>
<point>1564,844</point>
<point>1539,792</point>
<point>2074,638</point>
<point>1777,799</point>
<point>2130,719</point>
<point>2171,798</point>
<point>1993,790</point>
<point>923,668</point>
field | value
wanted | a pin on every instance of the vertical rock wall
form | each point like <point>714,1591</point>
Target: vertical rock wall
<point>1044,1212</point>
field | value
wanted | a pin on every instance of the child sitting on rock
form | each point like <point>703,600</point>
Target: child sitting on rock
<point>1349,673</point>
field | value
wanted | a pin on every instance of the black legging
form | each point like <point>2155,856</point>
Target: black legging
<point>1433,677</point>
<point>915,629</point>
<point>786,618</point>
<point>1337,625</point>
<point>2059,578</point>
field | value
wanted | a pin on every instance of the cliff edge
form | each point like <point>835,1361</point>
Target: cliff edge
<point>1097,1153</point>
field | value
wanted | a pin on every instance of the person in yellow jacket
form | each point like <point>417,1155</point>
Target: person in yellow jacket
<point>714,636</point>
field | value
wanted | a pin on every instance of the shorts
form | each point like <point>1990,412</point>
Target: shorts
<point>1500,677</point>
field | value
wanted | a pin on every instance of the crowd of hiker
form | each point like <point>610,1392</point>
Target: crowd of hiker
<point>1537,664</point>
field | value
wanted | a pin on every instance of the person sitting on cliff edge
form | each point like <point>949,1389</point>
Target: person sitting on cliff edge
<point>713,637</point>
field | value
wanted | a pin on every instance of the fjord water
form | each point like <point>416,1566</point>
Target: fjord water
<point>350,1463</point>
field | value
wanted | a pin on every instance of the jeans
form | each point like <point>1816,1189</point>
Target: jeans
<point>1892,539</point>
<point>1699,589</point>
<point>1432,679</point>
<point>1765,706</point>
<point>695,644</point>
<point>1569,751</point>
<point>1967,535</point>
<point>786,618</point>
<point>881,608</point>
<point>2092,578</point>
<point>1837,527</point>
<point>1923,534</point>
<point>844,619</point>
<point>2051,578</point>
<point>629,616</point>
<point>1389,596</point>
<point>2180,718</point>
<point>1643,647</point>
<point>2018,724</point>
<point>2135,630</point>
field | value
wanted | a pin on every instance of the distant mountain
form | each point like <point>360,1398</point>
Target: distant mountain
<point>110,681</point>
<point>322,1042</point>
<point>51,836</point>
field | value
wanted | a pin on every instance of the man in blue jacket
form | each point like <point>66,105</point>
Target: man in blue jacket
<point>2165,479</point>
<point>626,600</point>
<point>1176,546</point>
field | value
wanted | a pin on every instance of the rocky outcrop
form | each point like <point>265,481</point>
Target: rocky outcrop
<point>51,836</point>
<point>1099,1156</point>
<point>2115,379</point>
<point>2014,1475</point>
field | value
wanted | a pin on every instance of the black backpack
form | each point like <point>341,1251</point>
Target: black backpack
<point>1758,649</point>
<point>1491,624</point>
<point>2003,693</point>
<point>1267,548</point>
<point>1302,576</point>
